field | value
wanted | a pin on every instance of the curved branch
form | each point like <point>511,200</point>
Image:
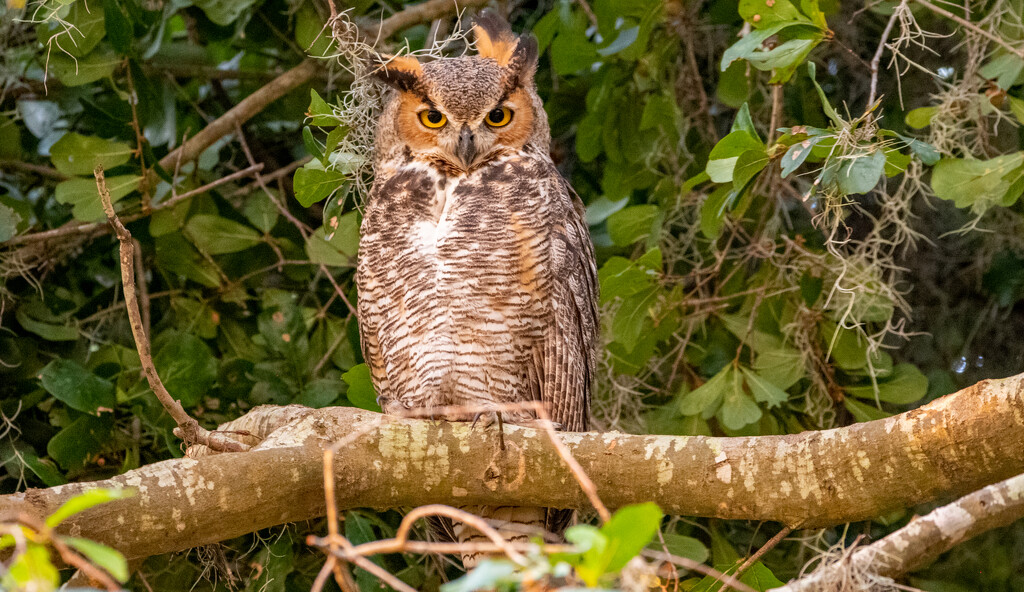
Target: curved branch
<point>925,538</point>
<point>949,447</point>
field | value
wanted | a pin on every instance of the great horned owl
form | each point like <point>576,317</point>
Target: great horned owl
<point>477,282</point>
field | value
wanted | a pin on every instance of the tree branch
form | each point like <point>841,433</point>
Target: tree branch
<point>922,541</point>
<point>949,447</point>
<point>188,428</point>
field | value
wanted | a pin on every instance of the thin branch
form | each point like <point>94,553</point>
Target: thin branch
<point>1019,52</point>
<point>691,565</point>
<point>33,168</point>
<point>877,59</point>
<point>188,428</point>
<point>771,544</point>
<point>97,228</point>
<point>420,13</point>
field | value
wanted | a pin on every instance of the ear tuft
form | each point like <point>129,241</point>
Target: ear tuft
<point>524,58</point>
<point>494,38</point>
<point>401,72</point>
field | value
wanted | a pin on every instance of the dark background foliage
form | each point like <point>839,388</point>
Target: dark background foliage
<point>775,255</point>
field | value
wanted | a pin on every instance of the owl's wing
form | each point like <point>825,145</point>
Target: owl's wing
<point>569,353</point>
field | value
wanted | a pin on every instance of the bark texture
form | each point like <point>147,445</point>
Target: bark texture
<point>922,541</point>
<point>947,448</point>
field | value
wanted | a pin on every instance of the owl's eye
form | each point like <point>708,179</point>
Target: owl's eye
<point>499,117</point>
<point>433,118</point>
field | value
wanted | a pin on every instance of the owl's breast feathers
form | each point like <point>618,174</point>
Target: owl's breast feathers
<point>478,289</point>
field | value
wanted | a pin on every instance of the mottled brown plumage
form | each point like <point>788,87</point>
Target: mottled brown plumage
<point>477,282</point>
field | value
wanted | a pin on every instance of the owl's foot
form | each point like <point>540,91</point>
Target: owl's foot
<point>489,418</point>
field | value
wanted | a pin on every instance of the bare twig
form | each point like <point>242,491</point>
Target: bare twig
<point>1017,51</point>
<point>776,117</point>
<point>586,484</point>
<point>188,428</point>
<point>140,280</point>
<point>33,168</point>
<point>772,542</point>
<point>876,60</point>
<point>420,13</point>
<point>691,565</point>
<point>97,228</point>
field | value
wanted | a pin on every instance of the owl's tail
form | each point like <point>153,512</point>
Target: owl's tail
<point>516,524</point>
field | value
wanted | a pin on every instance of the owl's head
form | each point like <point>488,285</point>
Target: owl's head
<point>458,114</point>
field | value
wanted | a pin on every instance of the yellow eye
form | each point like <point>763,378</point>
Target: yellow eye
<point>499,117</point>
<point>433,118</point>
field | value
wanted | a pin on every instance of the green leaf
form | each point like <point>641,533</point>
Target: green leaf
<point>629,530</point>
<point>223,12</point>
<point>797,154</point>
<point>277,560</point>
<point>119,29</point>
<point>925,151</point>
<point>83,28</point>
<point>825,105</point>
<point>632,317</point>
<point>906,385</point>
<point>634,223</point>
<point>342,248</point>
<point>920,117</point>
<point>17,455</point>
<point>84,437</point>
<point>979,184</point>
<point>734,85</point>
<point>1016,107</point>
<point>682,546</point>
<point>77,387</point>
<point>311,145</point>
<point>81,71</point>
<point>738,409</point>
<point>763,390</point>
<point>313,183</point>
<point>707,397</point>
<point>186,365</point>
<point>320,393</point>
<point>863,411</point>
<point>748,165</point>
<point>215,235</point>
<point>31,570</point>
<point>762,14</point>
<point>760,578</point>
<point>9,222</point>
<point>360,388</point>
<point>712,211</point>
<point>46,330</point>
<point>75,154</point>
<point>101,556</point>
<point>723,157</point>
<point>10,139</point>
<point>861,174</point>
<point>1005,69</point>
<point>310,33</point>
<point>782,367</point>
<point>86,197</point>
<point>260,211</point>
<point>571,52</point>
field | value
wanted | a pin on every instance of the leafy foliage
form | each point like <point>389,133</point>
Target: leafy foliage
<point>775,253</point>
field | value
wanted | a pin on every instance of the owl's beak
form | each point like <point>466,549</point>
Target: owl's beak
<point>466,149</point>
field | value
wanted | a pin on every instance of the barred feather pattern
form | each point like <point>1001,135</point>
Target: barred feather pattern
<point>480,289</point>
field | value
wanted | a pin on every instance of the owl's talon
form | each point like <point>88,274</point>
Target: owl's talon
<point>490,418</point>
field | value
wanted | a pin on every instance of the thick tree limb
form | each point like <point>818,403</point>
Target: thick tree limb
<point>922,541</point>
<point>949,447</point>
